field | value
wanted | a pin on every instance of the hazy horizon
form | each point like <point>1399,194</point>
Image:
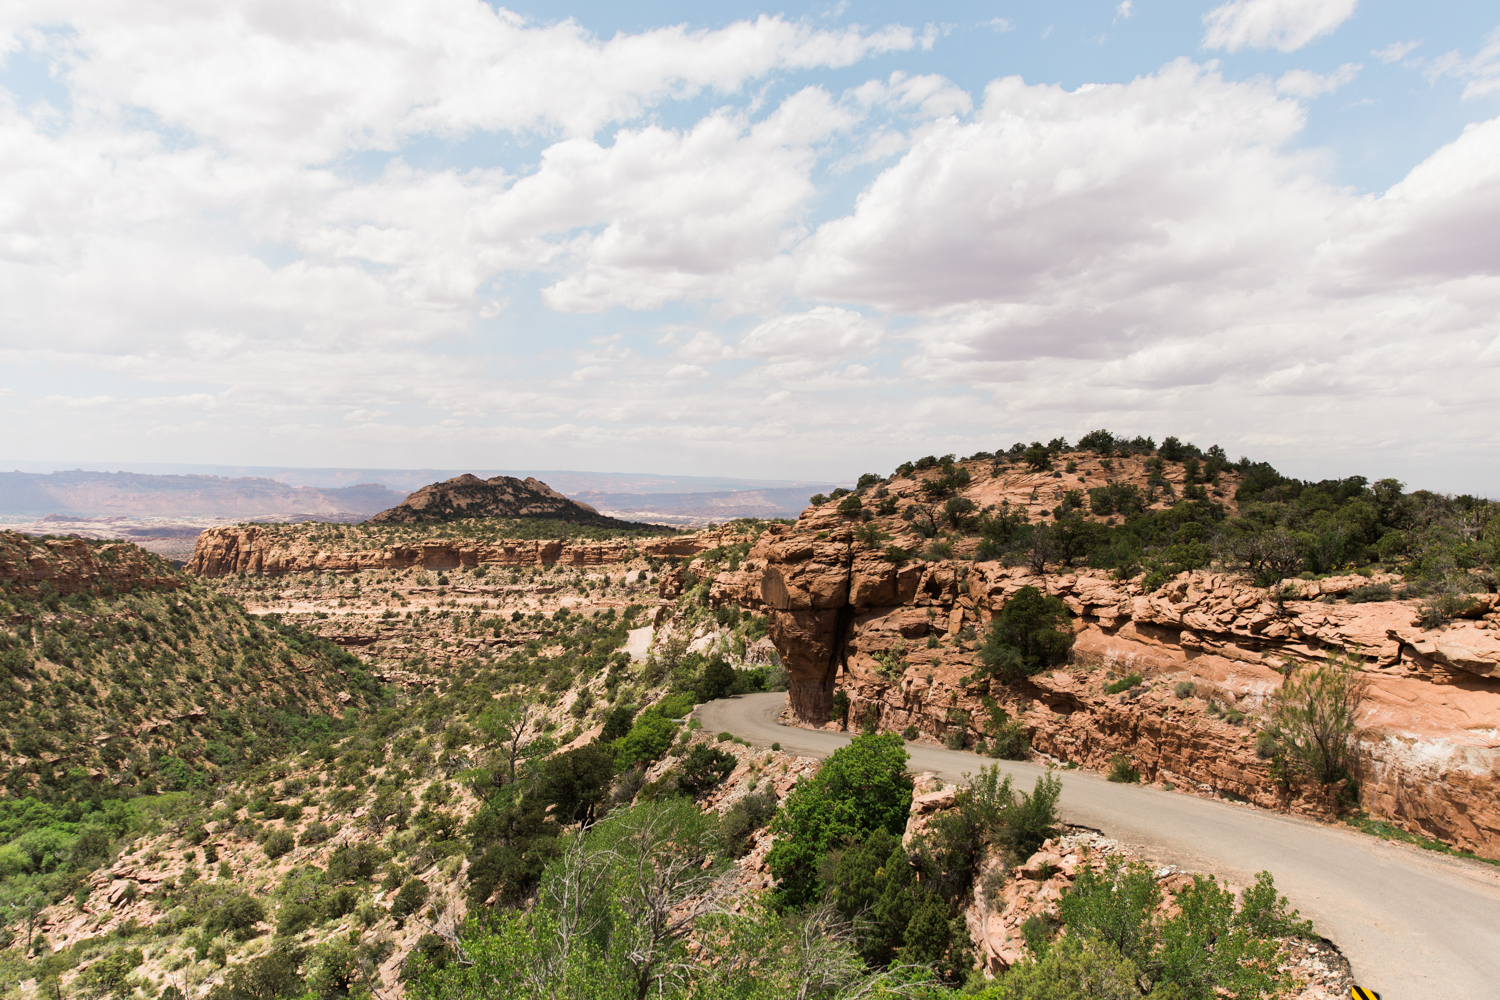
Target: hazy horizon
<point>749,242</point>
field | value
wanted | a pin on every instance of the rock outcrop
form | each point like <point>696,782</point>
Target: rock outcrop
<point>901,641</point>
<point>71,565</point>
<point>469,496</point>
<point>261,550</point>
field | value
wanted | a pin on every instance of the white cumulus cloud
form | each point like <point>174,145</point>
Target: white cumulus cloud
<point>823,332</point>
<point>1286,25</point>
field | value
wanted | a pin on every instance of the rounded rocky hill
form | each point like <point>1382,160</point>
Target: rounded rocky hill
<point>468,496</point>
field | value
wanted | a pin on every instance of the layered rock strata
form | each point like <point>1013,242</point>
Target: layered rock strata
<point>256,550</point>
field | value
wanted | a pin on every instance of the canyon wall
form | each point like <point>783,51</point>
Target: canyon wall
<point>259,550</point>
<point>901,641</point>
<point>71,565</point>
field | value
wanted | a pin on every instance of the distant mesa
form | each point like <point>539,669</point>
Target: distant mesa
<point>469,496</point>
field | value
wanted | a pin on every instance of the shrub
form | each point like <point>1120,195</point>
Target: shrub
<point>1122,770</point>
<point>745,817</point>
<point>649,739</point>
<point>1074,968</point>
<point>959,511</point>
<point>294,918</point>
<point>1123,684</point>
<point>1030,634</point>
<point>1313,716</point>
<point>1009,740</point>
<point>575,782</point>
<point>617,722</point>
<point>108,974</point>
<point>850,506</point>
<point>1371,592</point>
<point>1016,821</point>
<point>1205,950</point>
<point>704,768</point>
<point>718,679</point>
<point>340,902</point>
<point>1439,609</point>
<point>841,707</point>
<point>354,862</point>
<point>278,843</point>
<point>271,976</point>
<point>1114,904</point>
<point>1100,441</point>
<point>315,833</point>
<point>1185,689</point>
<point>409,899</point>
<point>235,914</point>
<point>861,787</point>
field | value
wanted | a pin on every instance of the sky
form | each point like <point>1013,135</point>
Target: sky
<point>795,242</point>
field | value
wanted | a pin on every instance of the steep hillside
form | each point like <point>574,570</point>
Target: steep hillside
<point>465,497</point>
<point>122,676</point>
<point>1186,617</point>
<point>316,844</point>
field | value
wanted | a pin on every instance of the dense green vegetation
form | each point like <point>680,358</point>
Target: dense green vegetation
<point>1446,546</point>
<point>1029,635</point>
<point>469,767</point>
<point>109,697</point>
<point>1117,938</point>
<point>630,907</point>
<point>861,789</point>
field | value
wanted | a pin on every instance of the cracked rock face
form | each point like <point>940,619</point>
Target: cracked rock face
<point>901,641</point>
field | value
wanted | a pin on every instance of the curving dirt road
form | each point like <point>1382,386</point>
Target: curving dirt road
<point>1415,925</point>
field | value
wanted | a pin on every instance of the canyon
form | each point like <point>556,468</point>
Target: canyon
<point>898,638</point>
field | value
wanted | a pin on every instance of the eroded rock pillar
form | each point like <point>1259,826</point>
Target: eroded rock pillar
<point>807,642</point>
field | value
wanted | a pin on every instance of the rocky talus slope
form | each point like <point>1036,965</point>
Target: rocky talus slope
<point>469,496</point>
<point>901,641</point>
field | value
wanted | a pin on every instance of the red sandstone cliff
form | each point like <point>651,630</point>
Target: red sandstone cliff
<point>1429,739</point>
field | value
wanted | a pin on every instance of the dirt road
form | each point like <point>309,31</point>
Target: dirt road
<point>1415,925</point>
